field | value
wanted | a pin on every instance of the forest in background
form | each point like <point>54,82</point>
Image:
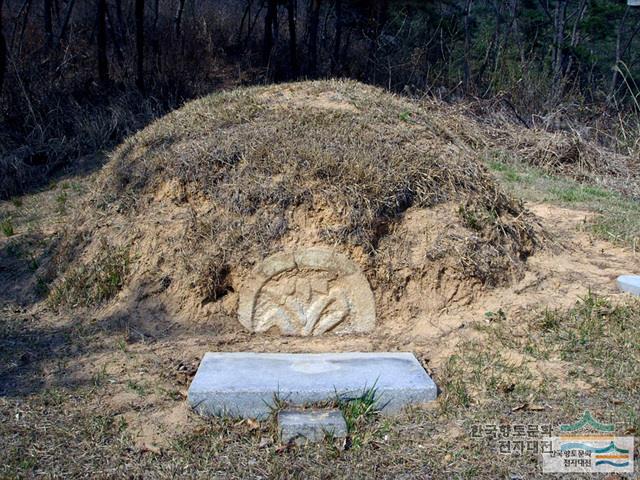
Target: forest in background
<point>78,76</point>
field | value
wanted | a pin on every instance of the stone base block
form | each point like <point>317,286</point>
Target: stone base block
<point>249,385</point>
<point>629,283</point>
<point>310,426</point>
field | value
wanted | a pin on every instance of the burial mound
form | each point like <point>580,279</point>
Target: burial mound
<point>193,204</point>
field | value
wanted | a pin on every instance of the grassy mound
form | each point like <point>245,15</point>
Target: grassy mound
<point>202,194</point>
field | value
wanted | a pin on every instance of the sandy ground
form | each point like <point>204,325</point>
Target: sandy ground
<point>555,278</point>
<point>145,372</point>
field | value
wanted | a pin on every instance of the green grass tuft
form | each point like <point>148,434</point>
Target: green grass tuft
<point>357,414</point>
<point>617,219</point>
<point>7,227</point>
<point>95,282</point>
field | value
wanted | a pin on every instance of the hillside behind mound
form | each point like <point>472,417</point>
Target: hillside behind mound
<point>186,207</point>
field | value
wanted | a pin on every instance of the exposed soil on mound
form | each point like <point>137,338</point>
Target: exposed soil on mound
<point>148,270</point>
<point>188,206</point>
<point>151,357</point>
<point>555,279</point>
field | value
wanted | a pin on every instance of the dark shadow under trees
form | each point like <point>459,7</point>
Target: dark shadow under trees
<point>72,60</point>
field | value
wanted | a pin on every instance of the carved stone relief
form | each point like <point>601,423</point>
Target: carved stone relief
<point>307,292</point>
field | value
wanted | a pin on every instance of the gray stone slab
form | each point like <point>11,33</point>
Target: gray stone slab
<point>302,426</point>
<point>247,384</point>
<point>629,283</point>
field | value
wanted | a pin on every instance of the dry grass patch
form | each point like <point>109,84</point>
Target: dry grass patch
<point>210,189</point>
<point>618,218</point>
<point>95,282</point>
<point>481,384</point>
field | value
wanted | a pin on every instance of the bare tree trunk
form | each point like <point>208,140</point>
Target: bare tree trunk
<point>516,31</point>
<point>252,24</point>
<point>178,20</point>
<point>3,51</point>
<point>275,25</point>
<point>467,43</point>
<point>124,30</point>
<point>314,20</point>
<point>156,14</point>
<point>632,35</point>
<point>293,47</point>
<point>48,24</point>
<point>114,38</point>
<point>614,75</point>
<point>139,14</point>
<point>103,63</point>
<point>492,54</point>
<point>335,59</point>
<point>559,22</point>
<point>65,22</point>
<point>267,45</point>
<point>575,35</point>
<point>27,9</point>
<point>155,42</point>
<point>377,20</point>
<point>247,13</point>
<point>119,12</point>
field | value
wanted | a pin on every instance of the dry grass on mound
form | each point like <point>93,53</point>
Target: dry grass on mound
<point>353,157</point>
<point>582,153</point>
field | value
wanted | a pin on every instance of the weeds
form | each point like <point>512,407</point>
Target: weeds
<point>470,218</point>
<point>61,200</point>
<point>136,387</point>
<point>276,405</point>
<point>498,316</point>
<point>7,227</point>
<point>95,282</point>
<point>122,345</point>
<point>33,263</point>
<point>41,287</point>
<point>360,408</point>
<point>100,377</point>
<point>600,338</point>
<point>550,320</point>
<point>454,388</point>
<point>617,219</point>
<point>357,413</point>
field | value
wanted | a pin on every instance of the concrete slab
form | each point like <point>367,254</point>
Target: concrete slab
<point>629,283</point>
<point>247,384</point>
<point>302,426</point>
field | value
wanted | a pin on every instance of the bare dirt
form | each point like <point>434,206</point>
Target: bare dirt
<point>555,278</point>
<point>142,347</point>
<point>148,361</point>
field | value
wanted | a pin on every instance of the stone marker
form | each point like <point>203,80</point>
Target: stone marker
<point>302,426</point>
<point>307,292</point>
<point>629,283</point>
<point>247,384</point>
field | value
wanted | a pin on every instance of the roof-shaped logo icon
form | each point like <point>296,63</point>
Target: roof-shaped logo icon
<point>587,420</point>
